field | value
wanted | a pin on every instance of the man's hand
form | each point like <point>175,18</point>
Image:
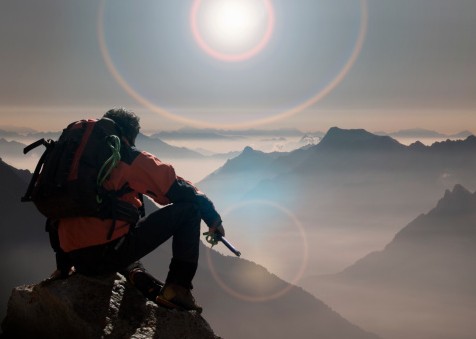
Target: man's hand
<point>216,234</point>
<point>217,229</point>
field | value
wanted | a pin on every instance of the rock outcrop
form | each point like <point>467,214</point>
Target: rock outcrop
<point>104,307</point>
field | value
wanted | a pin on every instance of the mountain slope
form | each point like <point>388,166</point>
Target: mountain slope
<point>164,150</point>
<point>239,175</point>
<point>436,251</point>
<point>243,300</point>
<point>424,278</point>
<point>23,240</point>
<point>19,222</point>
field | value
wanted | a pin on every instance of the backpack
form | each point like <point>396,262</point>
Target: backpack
<point>68,179</point>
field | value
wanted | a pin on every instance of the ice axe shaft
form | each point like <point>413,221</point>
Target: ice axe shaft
<point>230,246</point>
<point>215,237</point>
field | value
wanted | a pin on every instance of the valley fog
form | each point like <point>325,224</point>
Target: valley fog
<point>384,310</point>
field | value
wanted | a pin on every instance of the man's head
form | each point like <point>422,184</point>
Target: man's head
<point>127,120</point>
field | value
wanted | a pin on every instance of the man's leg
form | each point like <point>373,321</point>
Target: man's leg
<point>180,221</point>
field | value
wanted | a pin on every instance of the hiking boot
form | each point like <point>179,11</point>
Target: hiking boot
<point>145,283</point>
<point>179,297</point>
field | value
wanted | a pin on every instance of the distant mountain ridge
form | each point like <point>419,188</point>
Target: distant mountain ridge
<point>354,151</point>
<point>28,135</point>
<point>12,151</point>
<point>11,148</point>
<point>217,134</point>
<point>151,145</point>
<point>348,150</point>
<point>163,150</point>
<point>352,182</point>
<point>337,138</point>
<point>220,134</point>
<point>424,133</point>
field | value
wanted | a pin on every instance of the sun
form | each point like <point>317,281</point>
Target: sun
<point>232,24</point>
<point>232,30</point>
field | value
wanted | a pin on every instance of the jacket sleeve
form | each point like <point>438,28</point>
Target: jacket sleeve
<point>159,181</point>
<point>149,176</point>
<point>184,191</point>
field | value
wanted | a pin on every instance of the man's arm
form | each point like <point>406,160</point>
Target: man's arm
<point>184,191</point>
<point>159,181</point>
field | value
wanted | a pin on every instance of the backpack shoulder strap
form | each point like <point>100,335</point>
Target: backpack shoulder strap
<point>49,144</point>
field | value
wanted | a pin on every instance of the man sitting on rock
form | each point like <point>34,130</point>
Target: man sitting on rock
<point>90,245</point>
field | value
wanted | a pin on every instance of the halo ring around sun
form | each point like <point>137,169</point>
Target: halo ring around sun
<point>286,113</point>
<point>232,57</point>
<point>288,286</point>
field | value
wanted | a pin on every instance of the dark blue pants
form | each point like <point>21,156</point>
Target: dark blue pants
<point>181,221</point>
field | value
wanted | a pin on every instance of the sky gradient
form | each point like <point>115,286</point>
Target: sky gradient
<point>369,64</point>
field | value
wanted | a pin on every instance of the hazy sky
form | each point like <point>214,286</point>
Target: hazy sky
<point>379,65</point>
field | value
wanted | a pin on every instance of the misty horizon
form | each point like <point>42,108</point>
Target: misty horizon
<point>228,141</point>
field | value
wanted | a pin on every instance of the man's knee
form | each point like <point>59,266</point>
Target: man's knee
<point>189,210</point>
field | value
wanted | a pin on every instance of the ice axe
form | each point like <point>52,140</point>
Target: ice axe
<point>214,237</point>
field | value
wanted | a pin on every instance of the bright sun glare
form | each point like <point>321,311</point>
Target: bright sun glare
<point>233,23</point>
<point>232,30</point>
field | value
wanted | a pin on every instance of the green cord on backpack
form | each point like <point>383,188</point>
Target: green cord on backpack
<point>115,144</point>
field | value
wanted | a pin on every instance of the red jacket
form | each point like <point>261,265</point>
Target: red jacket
<point>146,174</point>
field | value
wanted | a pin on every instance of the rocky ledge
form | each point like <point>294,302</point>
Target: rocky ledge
<point>104,307</point>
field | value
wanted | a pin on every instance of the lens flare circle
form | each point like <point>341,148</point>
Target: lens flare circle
<point>333,83</point>
<point>231,57</point>
<point>303,265</point>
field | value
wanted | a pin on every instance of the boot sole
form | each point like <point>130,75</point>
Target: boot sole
<point>167,304</point>
<point>171,306</point>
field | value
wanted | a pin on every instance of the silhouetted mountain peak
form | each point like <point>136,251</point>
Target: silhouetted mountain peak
<point>471,138</point>
<point>417,145</point>
<point>468,144</point>
<point>449,218</point>
<point>337,138</point>
<point>339,132</point>
<point>416,133</point>
<point>458,190</point>
<point>248,159</point>
<point>248,150</point>
<point>249,153</point>
<point>457,200</point>
<point>463,134</point>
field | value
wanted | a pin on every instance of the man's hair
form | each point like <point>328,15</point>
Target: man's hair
<point>127,121</point>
